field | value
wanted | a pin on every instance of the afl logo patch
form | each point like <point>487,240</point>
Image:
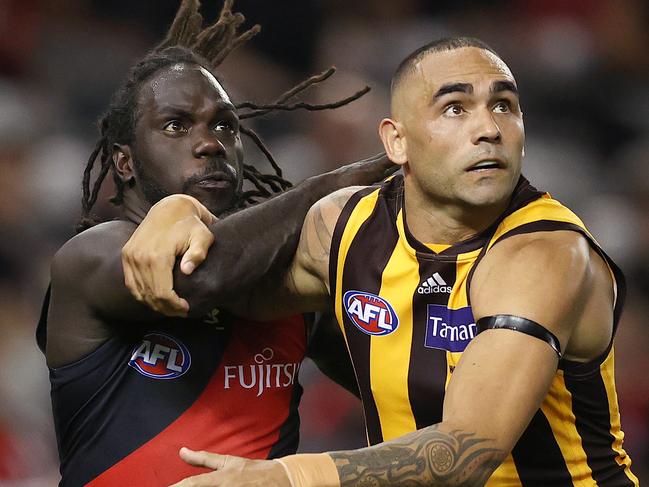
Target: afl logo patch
<point>160,356</point>
<point>370,313</point>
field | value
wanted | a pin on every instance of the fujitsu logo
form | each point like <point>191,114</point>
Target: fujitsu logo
<point>261,375</point>
<point>434,284</point>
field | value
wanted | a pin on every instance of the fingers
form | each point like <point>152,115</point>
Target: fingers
<point>200,241</point>
<point>149,278</point>
<point>203,480</point>
<point>204,459</point>
<point>148,258</point>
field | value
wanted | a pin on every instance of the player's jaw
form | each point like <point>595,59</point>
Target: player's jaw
<point>216,186</point>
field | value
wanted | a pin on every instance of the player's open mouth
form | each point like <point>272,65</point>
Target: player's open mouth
<point>485,165</point>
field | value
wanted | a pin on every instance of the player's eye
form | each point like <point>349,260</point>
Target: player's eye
<point>502,107</point>
<point>453,110</point>
<point>230,125</point>
<point>224,125</point>
<point>174,127</point>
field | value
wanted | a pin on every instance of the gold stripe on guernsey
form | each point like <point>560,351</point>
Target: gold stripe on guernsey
<point>607,370</point>
<point>557,408</point>
<point>459,299</point>
<point>505,476</point>
<point>390,354</point>
<point>542,209</point>
<point>437,248</point>
<point>362,211</point>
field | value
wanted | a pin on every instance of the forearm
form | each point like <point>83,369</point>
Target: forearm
<point>433,456</point>
<point>255,243</point>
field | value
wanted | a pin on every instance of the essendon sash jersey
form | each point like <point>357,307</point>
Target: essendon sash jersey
<point>122,413</point>
<point>405,311</point>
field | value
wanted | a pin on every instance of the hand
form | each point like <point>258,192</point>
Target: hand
<point>175,226</point>
<point>367,171</point>
<point>232,471</point>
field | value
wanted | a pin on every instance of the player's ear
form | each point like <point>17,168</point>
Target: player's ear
<point>123,162</point>
<point>394,142</point>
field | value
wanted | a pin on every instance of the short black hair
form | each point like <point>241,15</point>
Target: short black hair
<point>438,45</point>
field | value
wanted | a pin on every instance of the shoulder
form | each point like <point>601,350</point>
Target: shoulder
<point>548,277</point>
<point>88,250</point>
<point>324,214</point>
<point>559,258</point>
<point>338,199</point>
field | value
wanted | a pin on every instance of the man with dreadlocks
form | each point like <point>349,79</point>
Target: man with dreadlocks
<point>130,386</point>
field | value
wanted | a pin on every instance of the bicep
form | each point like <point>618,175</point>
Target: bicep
<point>308,275</point>
<point>544,277</point>
<point>87,271</point>
<point>305,285</point>
<point>498,385</point>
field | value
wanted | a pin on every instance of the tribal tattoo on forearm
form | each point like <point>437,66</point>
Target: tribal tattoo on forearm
<point>428,457</point>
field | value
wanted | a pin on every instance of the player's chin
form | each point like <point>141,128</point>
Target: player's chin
<point>488,192</point>
<point>218,200</point>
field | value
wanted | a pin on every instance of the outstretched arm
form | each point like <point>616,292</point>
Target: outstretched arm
<point>252,244</point>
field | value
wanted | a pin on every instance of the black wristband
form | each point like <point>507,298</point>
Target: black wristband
<point>517,323</point>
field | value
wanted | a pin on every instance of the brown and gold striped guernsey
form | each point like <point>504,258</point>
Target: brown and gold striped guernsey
<point>406,317</point>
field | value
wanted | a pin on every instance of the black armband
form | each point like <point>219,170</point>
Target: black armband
<point>523,325</point>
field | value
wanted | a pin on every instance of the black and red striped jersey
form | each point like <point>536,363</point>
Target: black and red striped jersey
<point>405,311</point>
<point>219,384</point>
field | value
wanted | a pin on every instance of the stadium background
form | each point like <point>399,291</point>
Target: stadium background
<point>582,67</point>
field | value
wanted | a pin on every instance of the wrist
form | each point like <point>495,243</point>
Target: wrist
<point>310,470</point>
<point>179,205</point>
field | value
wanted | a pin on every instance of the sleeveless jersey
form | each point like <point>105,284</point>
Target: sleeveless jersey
<point>406,316</point>
<point>122,413</point>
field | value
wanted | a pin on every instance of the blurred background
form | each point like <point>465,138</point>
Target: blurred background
<point>583,71</point>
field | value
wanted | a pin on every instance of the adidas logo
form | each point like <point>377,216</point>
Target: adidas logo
<point>434,284</point>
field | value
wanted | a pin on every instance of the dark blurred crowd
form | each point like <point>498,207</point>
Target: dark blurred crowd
<point>582,67</point>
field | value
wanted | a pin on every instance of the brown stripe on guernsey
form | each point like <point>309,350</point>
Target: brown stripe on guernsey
<point>428,366</point>
<point>390,354</point>
<point>534,469</point>
<point>595,431</point>
<point>557,406</point>
<point>357,246</point>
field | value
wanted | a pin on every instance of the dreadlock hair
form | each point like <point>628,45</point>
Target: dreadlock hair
<point>188,42</point>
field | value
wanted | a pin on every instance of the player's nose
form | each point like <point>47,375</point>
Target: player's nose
<point>486,129</point>
<point>207,144</point>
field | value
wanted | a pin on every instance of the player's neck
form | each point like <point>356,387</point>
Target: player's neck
<point>446,223</point>
<point>135,206</point>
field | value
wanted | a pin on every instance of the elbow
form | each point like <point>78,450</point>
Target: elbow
<point>202,290</point>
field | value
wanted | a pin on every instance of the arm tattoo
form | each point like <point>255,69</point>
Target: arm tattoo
<point>319,239</point>
<point>428,457</point>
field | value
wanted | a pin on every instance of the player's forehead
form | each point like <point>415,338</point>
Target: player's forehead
<point>466,65</point>
<point>182,85</point>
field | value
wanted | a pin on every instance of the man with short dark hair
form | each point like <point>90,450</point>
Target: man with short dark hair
<point>478,311</point>
<point>129,385</point>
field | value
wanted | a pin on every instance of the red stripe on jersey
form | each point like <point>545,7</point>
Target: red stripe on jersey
<point>243,419</point>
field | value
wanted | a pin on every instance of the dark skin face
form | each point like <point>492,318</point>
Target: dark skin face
<point>187,140</point>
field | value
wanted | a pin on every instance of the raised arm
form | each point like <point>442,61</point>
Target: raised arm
<point>252,244</point>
